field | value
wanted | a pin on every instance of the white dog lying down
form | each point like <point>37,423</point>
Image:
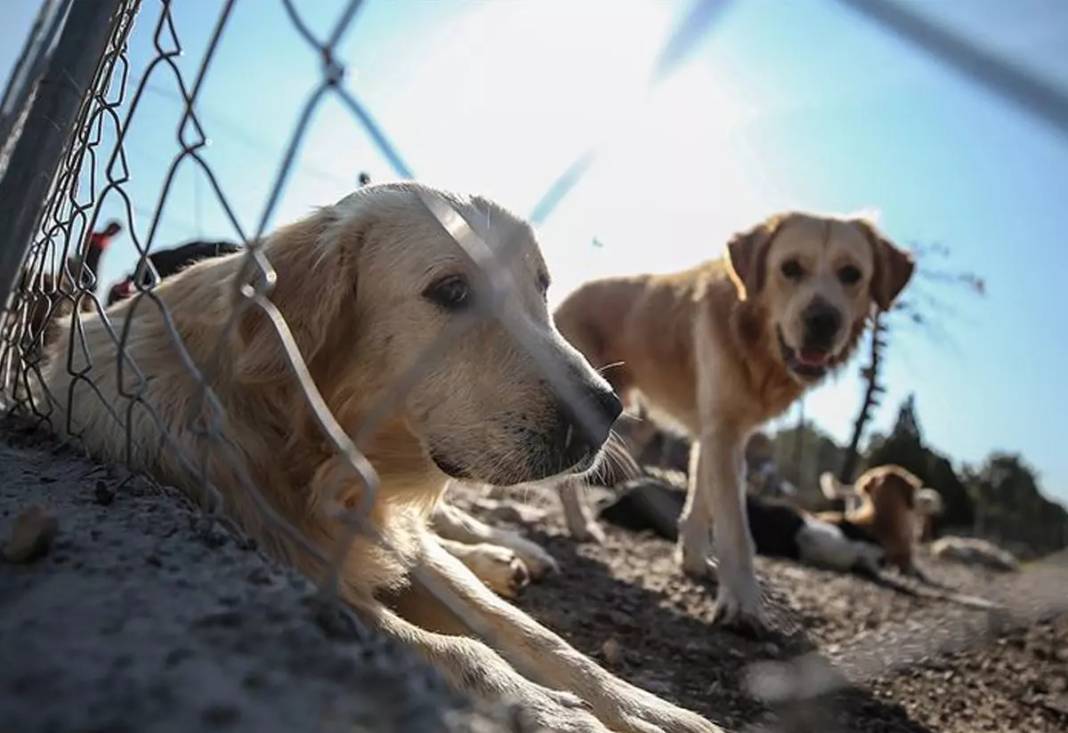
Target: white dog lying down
<point>366,286</point>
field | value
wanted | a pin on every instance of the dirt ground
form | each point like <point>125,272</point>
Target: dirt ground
<point>143,616</point>
<point>845,655</point>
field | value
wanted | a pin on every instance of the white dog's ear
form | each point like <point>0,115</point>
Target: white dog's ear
<point>893,266</point>
<point>315,272</point>
<point>747,256</point>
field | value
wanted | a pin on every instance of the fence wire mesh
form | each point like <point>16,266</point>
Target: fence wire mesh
<point>57,282</point>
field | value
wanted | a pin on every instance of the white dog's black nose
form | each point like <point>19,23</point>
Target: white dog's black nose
<point>822,321</point>
<point>589,422</point>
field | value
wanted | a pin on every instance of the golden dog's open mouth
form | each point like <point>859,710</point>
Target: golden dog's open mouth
<point>810,364</point>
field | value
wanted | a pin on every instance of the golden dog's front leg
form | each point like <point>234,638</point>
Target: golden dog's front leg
<point>720,474</point>
<point>580,520</point>
<point>543,657</point>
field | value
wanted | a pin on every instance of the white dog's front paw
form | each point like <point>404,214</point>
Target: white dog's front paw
<point>538,561</point>
<point>638,711</point>
<point>739,606</point>
<point>499,568</point>
<point>553,710</point>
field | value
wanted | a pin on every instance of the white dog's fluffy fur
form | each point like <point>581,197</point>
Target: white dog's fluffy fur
<point>361,285</point>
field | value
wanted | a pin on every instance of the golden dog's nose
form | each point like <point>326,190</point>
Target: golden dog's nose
<point>822,321</point>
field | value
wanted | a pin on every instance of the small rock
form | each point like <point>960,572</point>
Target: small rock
<point>31,536</point>
<point>1058,703</point>
<point>612,653</point>
<point>103,494</point>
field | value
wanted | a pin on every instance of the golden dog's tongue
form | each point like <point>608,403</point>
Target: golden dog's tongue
<point>813,357</point>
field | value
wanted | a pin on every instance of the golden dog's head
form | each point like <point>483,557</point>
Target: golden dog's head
<point>816,280</point>
<point>374,287</point>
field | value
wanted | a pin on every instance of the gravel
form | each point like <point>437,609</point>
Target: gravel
<point>845,654</point>
<point>140,614</point>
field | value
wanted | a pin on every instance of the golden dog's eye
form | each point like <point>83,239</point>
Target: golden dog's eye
<point>792,270</point>
<point>849,275</point>
<point>451,292</point>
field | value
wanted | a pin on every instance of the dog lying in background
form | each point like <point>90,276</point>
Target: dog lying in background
<point>909,508</point>
<point>724,347</point>
<point>888,502</point>
<point>366,286</point>
<point>779,529</point>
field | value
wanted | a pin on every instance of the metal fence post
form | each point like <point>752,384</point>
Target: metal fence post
<point>29,67</point>
<point>62,92</point>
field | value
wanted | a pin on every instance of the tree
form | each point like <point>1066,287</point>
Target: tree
<point>918,309</point>
<point>1010,506</point>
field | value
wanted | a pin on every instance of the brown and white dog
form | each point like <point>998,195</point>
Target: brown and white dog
<point>888,502</point>
<point>724,347</point>
<point>366,286</point>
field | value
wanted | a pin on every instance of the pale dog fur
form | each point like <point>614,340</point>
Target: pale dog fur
<point>349,283</point>
<point>702,347</point>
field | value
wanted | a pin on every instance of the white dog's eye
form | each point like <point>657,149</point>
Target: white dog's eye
<point>849,275</point>
<point>543,284</point>
<point>792,270</point>
<point>451,292</point>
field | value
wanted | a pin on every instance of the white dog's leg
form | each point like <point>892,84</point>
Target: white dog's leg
<point>545,658</point>
<point>580,520</point>
<point>457,525</point>
<point>472,667</point>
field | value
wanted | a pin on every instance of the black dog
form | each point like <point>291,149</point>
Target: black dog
<point>168,262</point>
<point>779,529</point>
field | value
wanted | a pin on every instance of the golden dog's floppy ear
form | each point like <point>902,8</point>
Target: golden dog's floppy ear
<point>747,254</point>
<point>893,267</point>
<point>315,271</point>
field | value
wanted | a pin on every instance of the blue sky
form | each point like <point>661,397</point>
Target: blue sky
<point>784,104</point>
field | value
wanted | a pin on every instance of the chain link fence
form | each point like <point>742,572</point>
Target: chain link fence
<point>56,176</point>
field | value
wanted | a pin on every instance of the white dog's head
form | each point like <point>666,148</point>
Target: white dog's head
<point>374,286</point>
<point>815,279</point>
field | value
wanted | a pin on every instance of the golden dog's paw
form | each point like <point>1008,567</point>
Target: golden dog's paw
<point>695,565</point>
<point>742,612</point>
